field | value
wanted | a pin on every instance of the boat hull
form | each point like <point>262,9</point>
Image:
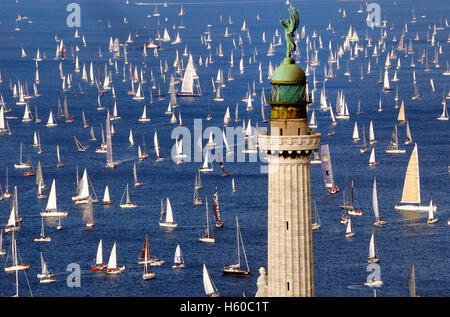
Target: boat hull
<point>22,267</point>
<point>54,214</point>
<point>413,208</point>
<point>235,272</point>
<point>117,270</point>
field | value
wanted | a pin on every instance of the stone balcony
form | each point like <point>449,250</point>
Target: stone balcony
<point>306,143</point>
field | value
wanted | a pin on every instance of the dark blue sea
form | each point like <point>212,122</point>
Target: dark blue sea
<point>340,264</point>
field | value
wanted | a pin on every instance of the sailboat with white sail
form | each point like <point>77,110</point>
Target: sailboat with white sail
<point>42,237</point>
<point>316,224</point>
<point>372,258</point>
<point>208,284</point>
<point>207,167</point>
<point>127,204</point>
<point>197,200</point>
<point>112,267</point>
<point>178,259</point>
<point>169,221</point>
<point>235,269</point>
<point>372,140</point>
<point>15,266</point>
<point>411,188</point>
<point>207,237</point>
<point>372,159</point>
<point>393,147</point>
<point>106,197</point>
<point>327,170</point>
<point>46,276</point>
<point>349,229</point>
<point>51,210</point>
<point>88,214</point>
<point>21,164</point>
<point>431,217</point>
<point>444,115</point>
<point>379,221</point>
<point>109,154</point>
<point>60,163</point>
<point>190,81</point>
<point>99,265</point>
<point>156,147</point>
<point>84,191</point>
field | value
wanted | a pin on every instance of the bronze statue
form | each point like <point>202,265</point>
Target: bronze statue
<point>290,25</point>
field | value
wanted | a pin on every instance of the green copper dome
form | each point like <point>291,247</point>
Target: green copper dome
<point>289,73</point>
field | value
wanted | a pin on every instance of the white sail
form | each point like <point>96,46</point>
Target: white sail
<point>372,247</point>
<point>99,256</point>
<point>106,197</point>
<point>169,213</point>
<point>51,203</point>
<point>375,200</point>
<point>112,262</point>
<point>208,285</point>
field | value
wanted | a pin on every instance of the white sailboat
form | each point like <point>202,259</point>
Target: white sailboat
<point>316,225</point>
<point>444,115</point>
<point>156,147</point>
<point>60,163</point>
<point>21,164</point>
<point>207,236</point>
<point>143,117</point>
<point>99,265</point>
<point>372,140</point>
<point>208,284</point>
<point>51,122</point>
<point>46,276</point>
<point>169,221</point>
<point>235,269</point>
<point>178,260</point>
<point>51,210</point>
<point>372,160</point>
<point>13,224</point>
<point>393,147</point>
<point>83,190</point>
<point>190,81</point>
<point>378,220</point>
<point>372,258</point>
<point>109,155</point>
<point>349,229</point>
<point>127,204</point>
<point>356,137</point>
<point>112,267</point>
<point>88,214</point>
<point>42,237</point>
<point>431,217</point>
<point>15,266</point>
<point>106,197</point>
<point>411,188</point>
<point>207,166</point>
<point>137,183</point>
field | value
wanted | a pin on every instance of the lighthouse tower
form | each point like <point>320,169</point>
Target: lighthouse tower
<point>289,145</point>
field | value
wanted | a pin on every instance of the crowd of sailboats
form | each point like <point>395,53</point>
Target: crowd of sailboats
<point>188,74</point>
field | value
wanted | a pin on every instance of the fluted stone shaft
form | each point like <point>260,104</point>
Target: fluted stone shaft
<point>290,266</point>
<point>290,247</point>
